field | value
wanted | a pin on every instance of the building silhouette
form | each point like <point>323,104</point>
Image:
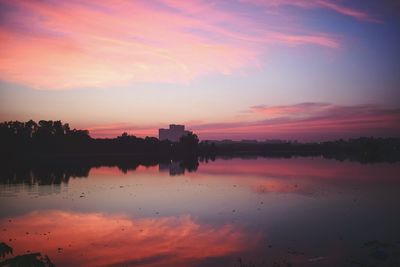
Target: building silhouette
<point>173,134</point>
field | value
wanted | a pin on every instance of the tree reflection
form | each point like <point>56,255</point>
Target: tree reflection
<point>56,171</point>
<point>25,260</point>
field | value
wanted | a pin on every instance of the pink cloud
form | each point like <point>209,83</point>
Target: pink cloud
<point>308,121</point>
<point>313,4</point>
<point>305,39</point>
<point>303,121</point>
<point>301,108</point>
<point>75,44</point>
<point>357,14</point>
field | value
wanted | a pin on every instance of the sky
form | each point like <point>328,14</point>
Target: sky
<point>302,70</point>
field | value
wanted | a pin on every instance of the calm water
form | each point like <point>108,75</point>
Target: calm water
<point>236,212</point>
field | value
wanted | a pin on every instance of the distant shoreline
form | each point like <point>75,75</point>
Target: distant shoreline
<point>48,140</point>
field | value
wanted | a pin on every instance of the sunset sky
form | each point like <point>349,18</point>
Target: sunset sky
<point>238,69</point>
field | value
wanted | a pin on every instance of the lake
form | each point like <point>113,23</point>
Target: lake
<point>226,212</point>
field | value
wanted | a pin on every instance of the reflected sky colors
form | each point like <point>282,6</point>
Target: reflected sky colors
<point>306,211</point>
<point>95,239</point>
<point>307,70</point>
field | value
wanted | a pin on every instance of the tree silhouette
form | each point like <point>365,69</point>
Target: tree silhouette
<point>48,138</point>
<point>189,142</point>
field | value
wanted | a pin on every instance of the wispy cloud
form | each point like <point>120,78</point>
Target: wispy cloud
<point>313,121</point>
<point>72,44</point>
<point>357,14</point>
<point>303,121</point>
<point>332,5</point>
<point>292,110</point>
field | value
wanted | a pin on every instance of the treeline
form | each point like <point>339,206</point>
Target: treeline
<point>52,138</point>
<point>363,149</point>
<point>55,138</point>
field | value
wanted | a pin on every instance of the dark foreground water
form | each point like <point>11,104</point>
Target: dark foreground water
<point>236,212</point>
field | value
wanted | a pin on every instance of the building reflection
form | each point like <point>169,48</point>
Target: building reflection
<point>178,167</point>
<point>173,167</point>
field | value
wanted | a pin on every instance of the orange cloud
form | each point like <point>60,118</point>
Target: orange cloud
<point>75,44</point>
<point>98,240</point>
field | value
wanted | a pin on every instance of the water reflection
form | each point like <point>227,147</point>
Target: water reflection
<point>96,239</point>
<point>178,167</point>
<point>41,175</point>
<point>61,171</point>
<point>227,212</point>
